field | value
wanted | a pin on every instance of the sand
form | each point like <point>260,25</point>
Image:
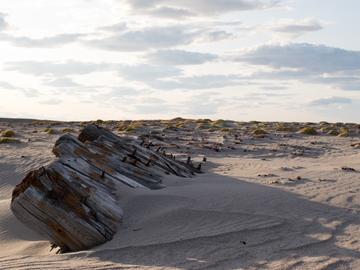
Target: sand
<point>279,202</point>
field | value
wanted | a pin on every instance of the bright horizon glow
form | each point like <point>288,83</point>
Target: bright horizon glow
<point>130,59</point>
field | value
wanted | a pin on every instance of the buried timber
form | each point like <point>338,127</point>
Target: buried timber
<point>72,200</point>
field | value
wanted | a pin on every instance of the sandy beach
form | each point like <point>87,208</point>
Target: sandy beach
<point>179,135</point>
<point>280,200</point>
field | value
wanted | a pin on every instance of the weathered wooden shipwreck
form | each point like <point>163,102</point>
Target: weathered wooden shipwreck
<point>72,200</point>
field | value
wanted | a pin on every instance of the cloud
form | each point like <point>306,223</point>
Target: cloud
<point>27,92</point>
<point>196,82</point>
<point>116,96</point>
<point>215,35</point>
<point>56,68</point>
<point>59,70</point>
<point>46,42</point>
<point>120,92</point>
<point>179,57</point>
<point>275,87</point>
<point>296,27</point>
<point>3,23</point>
<point>144,72</point>
<point>6,85</point>
<point>154,37</point>
<point>170,12</point>
<point>307,63</point>
<point>118,27</point>
<point>308,57</point>
<point>62,82</point>
<point>203,104</point>
<point>201,7</point>
<point>120,37</point>
<point>151,105</point>
<point>331,101</point>
<point>51,101</point>
<point>345,82</point>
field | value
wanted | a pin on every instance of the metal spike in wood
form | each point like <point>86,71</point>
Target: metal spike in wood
<point>71,201</point>
<point>188,160</point>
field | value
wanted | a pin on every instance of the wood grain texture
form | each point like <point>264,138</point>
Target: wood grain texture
<point>72,200</point>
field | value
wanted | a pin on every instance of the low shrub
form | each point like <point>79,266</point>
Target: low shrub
<point>282,127</point>
<point>8,133</point>
<point>49,131</point>
<point>260,131</point>
<point>344,132</point>
<point>308,131</point>
<point>333,132</point>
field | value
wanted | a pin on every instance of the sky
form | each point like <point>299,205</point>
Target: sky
<point>267,60</point>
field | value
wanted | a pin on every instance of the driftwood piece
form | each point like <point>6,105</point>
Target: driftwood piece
<point>72,201</point>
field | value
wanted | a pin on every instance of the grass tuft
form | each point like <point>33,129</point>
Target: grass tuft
<point>68,130</point>
<point>260,131</point>
<point>333,132</point>
<point>344,132</point>
<point>49,131</point>
<point>8,140</point>
<point>8,133</point>
<point>284,127</point>
<point>308,131</point>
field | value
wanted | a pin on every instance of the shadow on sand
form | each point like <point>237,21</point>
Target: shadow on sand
<point>276,226</point>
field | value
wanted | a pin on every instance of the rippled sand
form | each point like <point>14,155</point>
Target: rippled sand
<point>279,201</point>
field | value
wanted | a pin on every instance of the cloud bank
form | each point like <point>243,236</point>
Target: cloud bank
<point>199,7</point>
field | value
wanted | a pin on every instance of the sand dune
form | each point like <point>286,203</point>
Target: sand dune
<point>253,209</point>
